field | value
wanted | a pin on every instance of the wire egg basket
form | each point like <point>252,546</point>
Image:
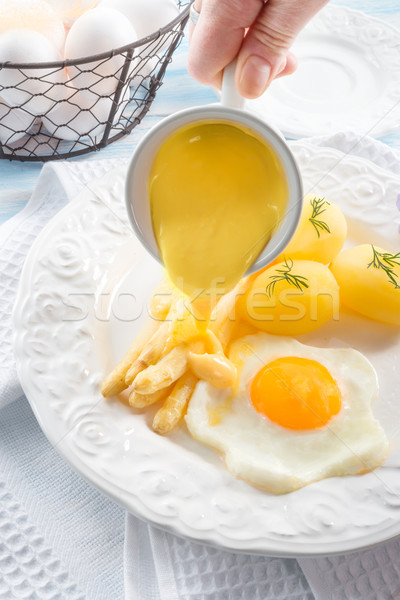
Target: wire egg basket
<point>64,109</point>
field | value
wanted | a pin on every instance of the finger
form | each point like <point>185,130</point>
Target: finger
<point>290,66</point>
<point>217,37</point>
<point>264,52</point>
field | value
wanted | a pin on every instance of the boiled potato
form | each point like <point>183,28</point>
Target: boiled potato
<point>321,232</point>
<point>292,298</point>
<point>369,280</point>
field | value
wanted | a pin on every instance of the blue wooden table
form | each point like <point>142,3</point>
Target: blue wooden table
<point>179,90</point>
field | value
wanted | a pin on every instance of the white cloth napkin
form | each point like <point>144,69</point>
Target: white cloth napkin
<point>162,566</point>
<point>60,538</point>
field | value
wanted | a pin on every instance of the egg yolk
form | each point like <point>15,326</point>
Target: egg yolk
<point>296,393</point>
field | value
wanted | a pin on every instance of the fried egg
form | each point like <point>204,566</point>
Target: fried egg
<point>299,414</point>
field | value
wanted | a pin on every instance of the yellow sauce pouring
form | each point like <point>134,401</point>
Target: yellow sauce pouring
<point>217,194</point>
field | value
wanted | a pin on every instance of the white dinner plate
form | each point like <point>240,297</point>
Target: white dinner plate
<point>82,297</point>
<point>348,78</point>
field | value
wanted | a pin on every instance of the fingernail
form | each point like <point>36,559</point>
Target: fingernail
<point>254,76</point>
<point>282,66</point>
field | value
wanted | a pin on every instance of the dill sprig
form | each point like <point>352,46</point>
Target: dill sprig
<point>317,210</point>
<point>285,274</point>
<point>386,262</point>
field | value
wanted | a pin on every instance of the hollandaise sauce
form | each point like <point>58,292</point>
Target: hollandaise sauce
<point>217,194</point>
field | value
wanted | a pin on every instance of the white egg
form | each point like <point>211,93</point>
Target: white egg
<point>279,459</point>
<point>14,123</point>
<point>34,89</point>
<point>96,31</point>
<point>32,14</point>
<point>70,10</point>
<point>146,16</point>
<point>80,116</point>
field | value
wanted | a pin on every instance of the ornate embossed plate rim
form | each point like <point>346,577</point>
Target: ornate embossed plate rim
<point>296,124</point>
<point>252,539</point>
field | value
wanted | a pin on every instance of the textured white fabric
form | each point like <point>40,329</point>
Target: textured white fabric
<point>60,539</point>
<point>369,575</point>
<point>186,570</point>
<point>140,576</point>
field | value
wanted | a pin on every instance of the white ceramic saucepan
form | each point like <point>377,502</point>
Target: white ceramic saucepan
<point>229,110</point>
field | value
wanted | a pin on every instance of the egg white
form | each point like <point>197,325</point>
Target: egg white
<point>281,460</point>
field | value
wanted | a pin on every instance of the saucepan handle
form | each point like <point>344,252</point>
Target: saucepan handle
<point>230,96</point>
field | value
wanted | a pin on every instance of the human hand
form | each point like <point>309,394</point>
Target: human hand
<point>258,33</point>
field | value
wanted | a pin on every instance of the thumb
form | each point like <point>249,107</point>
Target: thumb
<point>264,52</point>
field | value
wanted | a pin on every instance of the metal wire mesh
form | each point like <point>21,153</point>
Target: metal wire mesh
<point>59,110</point>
